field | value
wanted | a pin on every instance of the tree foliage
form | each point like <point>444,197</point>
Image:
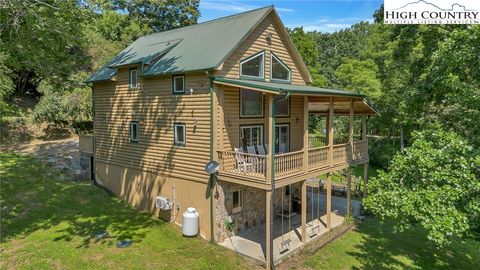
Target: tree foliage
<point>435,184</point>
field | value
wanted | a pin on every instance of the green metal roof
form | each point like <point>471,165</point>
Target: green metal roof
<point>284,88</point>
<point>197,47</point>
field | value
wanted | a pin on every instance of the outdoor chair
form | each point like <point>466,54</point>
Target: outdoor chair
<point>242,164</point>
<point>261,150</point>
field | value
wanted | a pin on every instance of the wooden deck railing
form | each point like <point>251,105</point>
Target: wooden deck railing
<point>360,150</point>
<point>243,164</point>
<point>85,143</point>
<point>340,153</point>
<point>317,157</point>
<point>289,164</point>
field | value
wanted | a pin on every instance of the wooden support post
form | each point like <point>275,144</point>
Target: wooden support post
<point>304,212</point>
<point>329,201</point>
<point>270,141</point>
<point>365,179</point>
<point>365,166</point>
<point>268,247</point>
<point>330,132</point>
<point>349,188</point>
<point>305,134</point>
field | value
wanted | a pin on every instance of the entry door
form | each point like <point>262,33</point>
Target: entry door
<point>282,140</point>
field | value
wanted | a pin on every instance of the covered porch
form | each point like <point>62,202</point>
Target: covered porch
<point>274,169</point>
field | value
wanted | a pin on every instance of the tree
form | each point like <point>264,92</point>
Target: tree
<point>434,184</point>
<point>359,76</point>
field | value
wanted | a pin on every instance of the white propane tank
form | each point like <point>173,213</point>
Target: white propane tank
<point>190,222</point>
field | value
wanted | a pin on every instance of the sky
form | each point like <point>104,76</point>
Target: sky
<point>313,15</point>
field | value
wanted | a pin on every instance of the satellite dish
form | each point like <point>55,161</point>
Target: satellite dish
<point>211,167</point>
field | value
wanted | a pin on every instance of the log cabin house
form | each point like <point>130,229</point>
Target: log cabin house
<point>234,90</point>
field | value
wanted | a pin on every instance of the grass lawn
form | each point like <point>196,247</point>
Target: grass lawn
<point>48,222</point>
<point>374,245</point>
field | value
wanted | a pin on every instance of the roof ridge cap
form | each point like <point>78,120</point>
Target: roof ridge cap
<point>209,21</point>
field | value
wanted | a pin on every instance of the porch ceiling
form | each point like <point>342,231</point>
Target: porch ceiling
<point>319,98</point>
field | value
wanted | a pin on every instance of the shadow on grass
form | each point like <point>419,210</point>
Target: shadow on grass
<point>34,197</point>
<point>382,248</point>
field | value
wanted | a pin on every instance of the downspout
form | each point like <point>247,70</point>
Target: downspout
<point>212,177</point>
<point>272,196</point>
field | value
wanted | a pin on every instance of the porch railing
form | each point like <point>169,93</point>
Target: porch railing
<point>360,150</point>
<point>289,164</point>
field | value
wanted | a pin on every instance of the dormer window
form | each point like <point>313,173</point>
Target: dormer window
<point>279,71</point>
<point>253,66</point>
<point>132,79</point>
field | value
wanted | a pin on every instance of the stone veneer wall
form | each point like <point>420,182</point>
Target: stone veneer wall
<point>253,210</point>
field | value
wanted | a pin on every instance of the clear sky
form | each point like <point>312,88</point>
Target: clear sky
<point>319,15</point>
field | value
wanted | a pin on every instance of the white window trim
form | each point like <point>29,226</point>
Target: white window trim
<point>238,209</point>
<point>133,123</point>
<point>252,126</point>
<point>130,78</point>
<point>175,84</point>
<point>256,115</point>
<point>175,141</point>
<point>262,70</point>
<point>272,55</point>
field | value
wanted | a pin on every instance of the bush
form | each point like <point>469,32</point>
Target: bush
<point>435,183</point>
<point>68,110</point>
<point>382,150</point>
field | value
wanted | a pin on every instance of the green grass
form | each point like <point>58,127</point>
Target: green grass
<point>375,245</point>
<point>48,222</point>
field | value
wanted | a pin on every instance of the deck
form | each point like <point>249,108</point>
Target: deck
<point>252,169</point>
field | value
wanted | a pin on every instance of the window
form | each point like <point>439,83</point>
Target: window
<point>251,136</point>
<point>282,138</point>
<point>134,131</point>
<point>179,84</point>
<point>132,78</point>
<point>237,201</point>
<point>253,66</point>
<point>279,71</point>
<point>251,103</point>
<point>282,106</point>
<point>179,134</point>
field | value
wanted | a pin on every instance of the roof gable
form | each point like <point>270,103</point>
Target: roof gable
<point>198,47</point>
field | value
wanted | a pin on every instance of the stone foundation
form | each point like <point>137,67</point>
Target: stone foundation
<point>253,209</point>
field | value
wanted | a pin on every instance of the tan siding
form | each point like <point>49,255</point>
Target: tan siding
<point>156,109</point>
<point>231,110</point>
<point>257,42</point>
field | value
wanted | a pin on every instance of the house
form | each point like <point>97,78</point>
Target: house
<point>234,90</point>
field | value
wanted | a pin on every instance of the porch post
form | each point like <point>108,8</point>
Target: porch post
<point>305,134</point>
<point>365,166</point>
<point>330,162</point>
<point>268,229</point>
<point>350,139</point>
<point>270,141</point>
<point>304,212</point>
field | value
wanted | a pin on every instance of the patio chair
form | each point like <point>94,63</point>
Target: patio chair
<point>266,148</point>
<point>261,150</point>
<point>242,164</point>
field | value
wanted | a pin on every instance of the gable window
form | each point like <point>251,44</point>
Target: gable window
<point>251,103</point>
<point>237,201</point>
<point>178,84</point>
<point>279,71</point>
<point>134,131</point>
<point>132,79</point>
<point>179,134</point>
<point>282,106</point>
<point>251,136</point>
<point>253,66</point>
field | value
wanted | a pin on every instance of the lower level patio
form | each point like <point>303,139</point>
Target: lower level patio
<point>287,237</point>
